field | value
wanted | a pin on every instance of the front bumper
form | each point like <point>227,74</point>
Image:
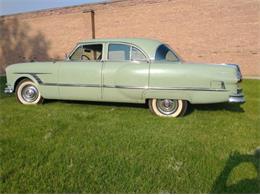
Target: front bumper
<point>237,99</point>
<point>8,90</point>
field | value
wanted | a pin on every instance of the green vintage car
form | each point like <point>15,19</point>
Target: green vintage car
<point>133,70</point>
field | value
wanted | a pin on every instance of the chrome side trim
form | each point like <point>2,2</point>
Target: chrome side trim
<point>236,99</point>
<point>37,78</point>
<point>162,88</point>
<point>32,73</point>
<point>188,89</point>
<point>133,87</point>
<point>117,86</point>
<point>71,85</point>
<point>124,87</point>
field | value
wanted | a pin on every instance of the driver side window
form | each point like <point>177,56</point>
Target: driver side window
<point>87,53</point>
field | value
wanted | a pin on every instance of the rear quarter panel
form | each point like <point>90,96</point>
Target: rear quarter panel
<point>193,82</point>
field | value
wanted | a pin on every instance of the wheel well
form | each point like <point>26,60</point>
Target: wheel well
<point>19,80</point>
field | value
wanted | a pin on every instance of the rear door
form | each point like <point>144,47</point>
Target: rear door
<point>125,73</point>
<point>80,77</point>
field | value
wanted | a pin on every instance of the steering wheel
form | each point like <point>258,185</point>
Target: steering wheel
<point>84,56</point>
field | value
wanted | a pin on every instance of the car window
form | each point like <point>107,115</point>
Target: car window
<point>137,55</point>
<point>164,53</point>
<point>88,53</point>
<point>118,52</point>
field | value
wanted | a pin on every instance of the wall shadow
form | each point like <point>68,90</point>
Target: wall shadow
<point>19,43</point>
<point>243,186</point>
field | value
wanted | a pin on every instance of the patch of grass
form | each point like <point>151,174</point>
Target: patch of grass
<point>83,147</point>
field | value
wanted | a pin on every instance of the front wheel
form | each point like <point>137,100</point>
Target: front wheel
<point>28,93</point>
<point>168,107</point>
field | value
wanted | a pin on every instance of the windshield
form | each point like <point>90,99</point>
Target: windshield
<point>163,53</point>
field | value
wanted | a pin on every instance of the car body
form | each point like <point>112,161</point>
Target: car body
<point>130,70</point>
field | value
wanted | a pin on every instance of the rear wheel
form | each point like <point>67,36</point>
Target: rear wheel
<point>168,107</point>
<point>27,92</point>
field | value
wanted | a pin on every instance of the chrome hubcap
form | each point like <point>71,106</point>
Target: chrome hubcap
<point>167,106</point>
<point>30,93</point>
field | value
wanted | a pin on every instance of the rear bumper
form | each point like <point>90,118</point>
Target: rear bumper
<point>237,99</point>
<point>8,90</point>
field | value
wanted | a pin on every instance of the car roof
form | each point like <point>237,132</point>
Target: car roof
<point>149,46</point>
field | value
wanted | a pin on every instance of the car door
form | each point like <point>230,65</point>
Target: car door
<point>80,76</point>
<point>125,73</point>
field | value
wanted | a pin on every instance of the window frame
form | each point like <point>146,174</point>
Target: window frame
<point>83,44</point>
<point>130,55</point>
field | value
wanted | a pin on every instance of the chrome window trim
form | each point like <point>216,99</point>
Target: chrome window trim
<point>174,53</point>
<point>130,45</point>
<point>139,51</point>
<point>82,44</point>
<point>107,58</point>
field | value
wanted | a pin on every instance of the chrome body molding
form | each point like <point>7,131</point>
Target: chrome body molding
<point>133,87</point>
<point>34,75</point>
<point>10,90</point>
<point>70,85</point>
<point>188,89</point>
<point>236,99</point>
<point>124,87</point>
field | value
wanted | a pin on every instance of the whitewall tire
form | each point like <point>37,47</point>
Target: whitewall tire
<point>168,107</point>
<point>27,92</point>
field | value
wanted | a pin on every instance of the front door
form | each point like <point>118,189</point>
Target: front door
<point>80,77</point>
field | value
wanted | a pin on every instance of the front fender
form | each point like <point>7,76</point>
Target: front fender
<point>13,79</point>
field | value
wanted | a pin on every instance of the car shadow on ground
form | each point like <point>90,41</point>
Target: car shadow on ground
<point>191,107</point>
<point>108,104</point>
<point>243,186</point>
<point>232,107</point>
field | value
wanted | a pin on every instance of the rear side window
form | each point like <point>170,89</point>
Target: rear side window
<point>118,52</point>
<point>122,52</point>
<point>87,53</point>
<point>137,55</point>
<point>163,53</point>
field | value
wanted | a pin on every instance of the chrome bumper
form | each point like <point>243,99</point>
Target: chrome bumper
<point>236,99</point>
<point>8,90</point>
